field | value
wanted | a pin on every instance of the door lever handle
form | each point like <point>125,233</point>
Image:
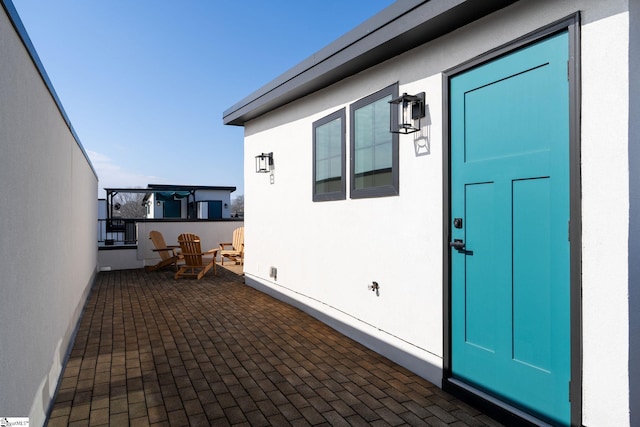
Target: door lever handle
<point>457,244</point>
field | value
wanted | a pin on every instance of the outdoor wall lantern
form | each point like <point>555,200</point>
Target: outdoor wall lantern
<point>264,163</point>
<point>405,110</point>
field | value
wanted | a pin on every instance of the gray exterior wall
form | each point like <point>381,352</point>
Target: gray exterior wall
<point>48,234</point>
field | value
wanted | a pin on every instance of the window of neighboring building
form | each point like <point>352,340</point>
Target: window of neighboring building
<point>329,141</point>
<point>214,209</point>
<point>374,150</point>
<point>172,209</point>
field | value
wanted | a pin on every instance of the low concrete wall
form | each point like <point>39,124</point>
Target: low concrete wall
<point>118,258</point>
<point>211,233</point>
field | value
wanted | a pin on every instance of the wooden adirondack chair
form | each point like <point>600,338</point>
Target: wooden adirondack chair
<point>168,254</point>
<point>237,252</point>
<point>196,262</point>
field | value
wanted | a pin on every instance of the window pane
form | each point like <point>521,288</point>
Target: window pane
<point>322,170</point>
<point>382,156</point>
<point>329,141</point>
<point>329,186</point>
<point>364,119</point>
<point>373,145</point>
<point>334,143</point>
<point>374,150</point>
<point>383,177</point>
<point>335,167</point>
<point>321,143</point>
<point>381,124</point>
<point>328,148</point>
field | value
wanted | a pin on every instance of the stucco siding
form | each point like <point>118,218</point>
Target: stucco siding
<point>48,247</point>
<point>327,253</point>
<point>605,201</point>
<point>634,211</point>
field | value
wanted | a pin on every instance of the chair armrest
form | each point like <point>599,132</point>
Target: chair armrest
<point>222,245</point>
<point>168,248</point>
<point>209,252</point>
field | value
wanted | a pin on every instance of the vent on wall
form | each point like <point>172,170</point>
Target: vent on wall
<point>273,272</point>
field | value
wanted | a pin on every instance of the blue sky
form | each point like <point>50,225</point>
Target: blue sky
<point>145,82</point>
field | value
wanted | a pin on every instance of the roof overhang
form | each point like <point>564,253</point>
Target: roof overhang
<point>397,29</point>
<point>152,188</point>
<point>166,187</point>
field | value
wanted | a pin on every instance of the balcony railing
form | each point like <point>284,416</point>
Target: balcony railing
<point>117,232</point>
<point>125,231</point>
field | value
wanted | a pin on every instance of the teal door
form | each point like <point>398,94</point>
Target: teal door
<point>172,209</point>
<point>510,315</point>
<point>214,209</point>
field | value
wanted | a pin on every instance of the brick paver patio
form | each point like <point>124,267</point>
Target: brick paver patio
<point>151,350</point>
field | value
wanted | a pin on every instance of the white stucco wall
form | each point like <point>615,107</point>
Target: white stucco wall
<point>151,207</point>
<point>327,253</point>
<point>605,201</point>
<point>313,245</point>
<point>48,233</point>
<point>634,212</point>
<point>210,195</point>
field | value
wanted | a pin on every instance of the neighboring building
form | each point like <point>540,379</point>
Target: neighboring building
<point>527,161</point>
<point>174,201</point>
<point>48,251</point>
<point>128,215</point>
<point>184,201</point>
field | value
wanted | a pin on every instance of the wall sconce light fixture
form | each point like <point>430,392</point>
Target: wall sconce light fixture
<point>158,203</point>
<point>264,162</point>
<point>405,110</point>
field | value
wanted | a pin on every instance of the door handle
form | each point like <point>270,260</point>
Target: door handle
<point>457,244</point>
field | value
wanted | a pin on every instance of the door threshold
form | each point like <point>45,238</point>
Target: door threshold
<point>495,408</point>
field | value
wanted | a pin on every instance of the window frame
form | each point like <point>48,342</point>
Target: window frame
<point>380,191</point>
<point>334,195</point>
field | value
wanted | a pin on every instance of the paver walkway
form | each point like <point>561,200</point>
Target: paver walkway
<point>151,350</point>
